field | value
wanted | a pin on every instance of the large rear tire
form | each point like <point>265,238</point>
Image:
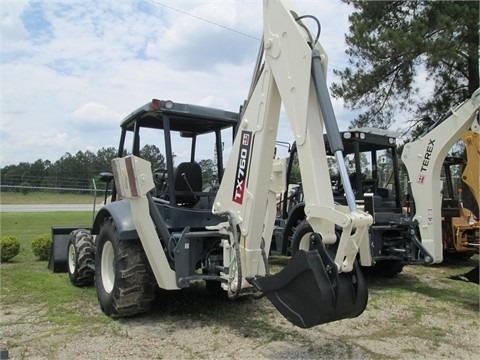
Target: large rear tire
<point>81,258</point>
<point>123,279</point>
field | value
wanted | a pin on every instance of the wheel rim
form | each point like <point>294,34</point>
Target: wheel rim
<point>108,271</point>
<point>71,258</point>
<point>305,242</point>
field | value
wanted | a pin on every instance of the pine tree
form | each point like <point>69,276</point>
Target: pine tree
<point>393,43</point>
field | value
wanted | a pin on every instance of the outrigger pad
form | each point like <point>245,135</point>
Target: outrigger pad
<point>308,295</point>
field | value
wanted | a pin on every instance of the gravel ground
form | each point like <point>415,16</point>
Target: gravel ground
<point>437,319</point>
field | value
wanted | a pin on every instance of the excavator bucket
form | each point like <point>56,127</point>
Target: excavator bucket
<point>309,291</point>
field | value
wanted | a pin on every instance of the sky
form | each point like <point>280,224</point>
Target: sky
<point>72,70</point>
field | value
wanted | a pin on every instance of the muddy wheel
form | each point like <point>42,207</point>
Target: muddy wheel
<point>123,279</point>
<point>81,258</point>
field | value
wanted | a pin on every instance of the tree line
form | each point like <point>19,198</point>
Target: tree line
<point>77,171</point>
<point>70,171</point>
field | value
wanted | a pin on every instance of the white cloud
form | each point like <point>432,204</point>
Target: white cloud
<point>13,31</point>
<point>72,70</point>
<point>94,117</point>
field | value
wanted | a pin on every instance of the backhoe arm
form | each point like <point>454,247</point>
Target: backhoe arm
<point>424,158</point>
<point>293,73</point>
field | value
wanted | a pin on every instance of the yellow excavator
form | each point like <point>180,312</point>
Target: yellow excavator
<point>460,219</point>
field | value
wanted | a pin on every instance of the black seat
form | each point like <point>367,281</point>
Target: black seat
<point>188,181</point>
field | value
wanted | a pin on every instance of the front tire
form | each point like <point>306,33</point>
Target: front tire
<point>81,258</point>
<point>123,278</point>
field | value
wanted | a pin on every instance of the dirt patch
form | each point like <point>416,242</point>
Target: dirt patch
<point>420,314</point>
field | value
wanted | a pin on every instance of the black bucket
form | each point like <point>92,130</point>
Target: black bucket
<point>58,262</point>
<point>309,291</point>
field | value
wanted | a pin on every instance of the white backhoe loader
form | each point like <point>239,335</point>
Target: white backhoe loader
<point>155,233</point>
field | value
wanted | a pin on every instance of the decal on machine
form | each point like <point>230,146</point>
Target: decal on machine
<point>426,161</point>
<point>242,166</point>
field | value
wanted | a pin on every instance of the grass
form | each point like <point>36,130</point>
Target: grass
<point>30,291</point>
<point>47,297</point>
<point>45,197</point>
<point>26,280</point>
<point>25,226</point>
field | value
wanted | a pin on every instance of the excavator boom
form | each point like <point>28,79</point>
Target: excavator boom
<point>320,285</point>
<point>424,159</point>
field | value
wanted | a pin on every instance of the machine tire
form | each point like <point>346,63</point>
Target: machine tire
<point>81,258</point>
<point>288,243</point>
<point>301,239</point>
<point>384,268</point>
<point>123,277</point>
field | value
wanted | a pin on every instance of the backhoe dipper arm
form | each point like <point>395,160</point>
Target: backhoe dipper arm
<point>424,158</point>
<point>293,73</point>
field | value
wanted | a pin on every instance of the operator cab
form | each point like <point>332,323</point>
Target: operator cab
<point>184,144</point>
<point>372,162</point>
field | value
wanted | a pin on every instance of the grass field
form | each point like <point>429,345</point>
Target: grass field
<point>44,197</point>
<point>421,313</point>
<point>25,226</point>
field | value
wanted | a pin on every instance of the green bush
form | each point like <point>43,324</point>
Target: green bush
<point>10,247</point>
<point>41,246</point>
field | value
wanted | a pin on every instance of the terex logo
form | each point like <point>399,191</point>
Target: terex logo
<point>428,153</point>
<point>426,161</point>
<point>242,166</point>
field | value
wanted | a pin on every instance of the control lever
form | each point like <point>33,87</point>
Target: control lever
<point>184,176</point>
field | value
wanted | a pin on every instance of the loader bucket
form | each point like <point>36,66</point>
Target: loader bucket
<point>308,294</point>
<point>58,253</point>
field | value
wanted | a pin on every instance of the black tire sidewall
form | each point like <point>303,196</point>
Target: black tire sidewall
<point>106,299</point>
<point>301,230</point>
<point>72,243</point>
<point>305,228</point>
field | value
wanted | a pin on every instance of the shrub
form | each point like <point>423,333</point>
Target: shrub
<point>41,246</point>
<point>10,247</point>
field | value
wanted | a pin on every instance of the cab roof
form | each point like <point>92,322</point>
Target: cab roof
<point>184,118</point>
<point>368,139</point>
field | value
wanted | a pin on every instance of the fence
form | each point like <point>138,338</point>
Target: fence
<point>27,211</point>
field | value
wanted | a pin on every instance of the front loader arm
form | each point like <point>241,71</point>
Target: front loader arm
<point>424,158</point>
<point>293,73</point>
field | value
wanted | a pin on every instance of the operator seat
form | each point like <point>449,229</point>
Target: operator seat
<point>187,181</point>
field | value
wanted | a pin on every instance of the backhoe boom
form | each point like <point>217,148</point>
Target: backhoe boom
<point>292,74</point>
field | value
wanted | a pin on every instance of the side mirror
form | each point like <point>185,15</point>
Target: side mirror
<point>106,177</point>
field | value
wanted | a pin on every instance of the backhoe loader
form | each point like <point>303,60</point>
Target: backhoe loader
<point>161,230</point>
<point>424,159</point>
<point>398,235</point>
